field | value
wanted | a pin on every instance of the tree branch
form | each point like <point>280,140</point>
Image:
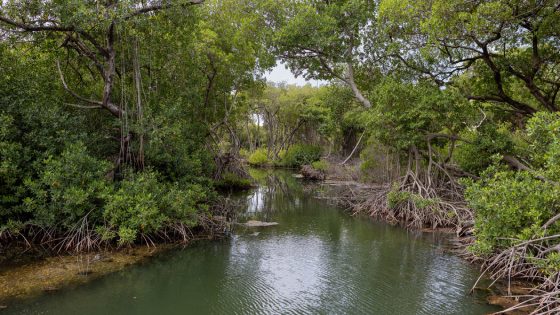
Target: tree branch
<point>76,95</point>
<point>84,106</point>
<point>36,28</point>
<point>159,7</point>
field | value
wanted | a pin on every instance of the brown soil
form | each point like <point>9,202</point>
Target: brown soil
<point>503,298</point>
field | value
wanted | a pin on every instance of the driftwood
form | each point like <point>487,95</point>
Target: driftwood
<point>253,223</point>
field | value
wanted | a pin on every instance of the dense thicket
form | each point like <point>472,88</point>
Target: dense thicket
<point>107,108</point>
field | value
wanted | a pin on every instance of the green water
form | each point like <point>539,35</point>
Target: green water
<point>318,260</point>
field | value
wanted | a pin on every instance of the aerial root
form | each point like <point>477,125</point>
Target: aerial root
<point>430,204</point>
<point>83,237</point>
<point>524,261</point>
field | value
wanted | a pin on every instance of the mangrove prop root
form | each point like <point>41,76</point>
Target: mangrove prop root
<point>83,236</point>
<point>525,261</point>
<point>434,203</point>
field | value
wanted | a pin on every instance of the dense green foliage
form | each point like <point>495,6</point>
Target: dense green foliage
<point>301,154</point>
<point>106,112</point>
<point>512,204</point>
<point>320,165</point>
<point>142,204</point>
<point>258,157</point>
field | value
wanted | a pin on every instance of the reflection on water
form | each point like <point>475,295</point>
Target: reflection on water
<point>316,261</point>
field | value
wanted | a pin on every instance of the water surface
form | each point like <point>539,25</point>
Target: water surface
<point>318,260</point>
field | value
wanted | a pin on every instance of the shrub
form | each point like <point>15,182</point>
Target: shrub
<point>232,181</point>
<point>244,153</point>
<point>258,158</point>
<point>144,205</point>
<point>510,205</point>
<point>135,207</point>
<point>516,204</point>
<point>301,154</point>
<point>476,155</point>
<point>175,152</point>
<point>11,155</point>
<point>320,165</point>
<point>69,187</point>
<point>395,198</point>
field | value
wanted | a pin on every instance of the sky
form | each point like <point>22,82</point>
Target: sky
<point>281,74</point>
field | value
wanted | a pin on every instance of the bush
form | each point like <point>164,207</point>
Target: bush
<point>475,156</point>
<point>320,165</point>
<point>11,153</point>
<point>396,197</point>
<point>244,153</point>
<point>543,132</point>
<point>301,154</point>
<point>258,158</point>
<point>144,205</point>
<point>232,181</point>
<point>510,205</point>
<point>516,204</point>
<point>69,187</point>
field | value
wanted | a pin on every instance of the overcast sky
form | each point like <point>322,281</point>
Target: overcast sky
<point>281,74</point>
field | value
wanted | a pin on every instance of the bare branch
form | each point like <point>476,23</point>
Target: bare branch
<point>76,95</point>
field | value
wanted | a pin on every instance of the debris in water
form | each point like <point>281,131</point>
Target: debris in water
<point>253,223</point>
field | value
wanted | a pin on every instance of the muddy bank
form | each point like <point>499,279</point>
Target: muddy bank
<point>53,273</point>
<point>499,296</point>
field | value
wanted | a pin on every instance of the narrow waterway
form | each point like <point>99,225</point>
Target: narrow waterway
<point>318,260</point>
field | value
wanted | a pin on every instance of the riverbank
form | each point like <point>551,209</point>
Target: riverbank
<point>51,274</point>
<point>28,269</point>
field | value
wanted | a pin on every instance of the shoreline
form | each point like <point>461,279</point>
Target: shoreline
<point>49,274</point>
<point>28,271</point>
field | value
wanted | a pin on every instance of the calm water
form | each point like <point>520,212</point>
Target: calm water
<point>317,261</point>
